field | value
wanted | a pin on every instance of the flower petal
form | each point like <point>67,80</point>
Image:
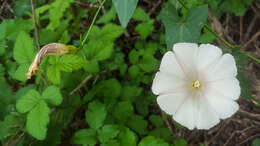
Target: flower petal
<point>207,55</point>
<point>207,117</point>
<point>227,87</point>
<point>186,114</point>
<point>186,54</point>
<point>224,107</point>
<point>225,68</point>
<point>167,83</point>
<point>169,64</point>
<point>170,103</point>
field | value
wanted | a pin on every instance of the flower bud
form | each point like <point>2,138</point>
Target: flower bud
<point>55,49</point>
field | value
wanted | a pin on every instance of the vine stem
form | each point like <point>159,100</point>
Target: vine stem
<point>92,23</point>
<point>222,39</point>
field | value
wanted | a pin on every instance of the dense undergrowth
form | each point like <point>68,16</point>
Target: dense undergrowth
<point>99,94</point>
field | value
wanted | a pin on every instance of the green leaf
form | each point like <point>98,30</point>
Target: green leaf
<point>3,45</point>
<point>28,101</point>
<point>107,132</point>
<point>20,73</point>
<point>152,141</point>
<point>140,15</point>
<point>256,142</point>
<point>241,62</point>
<point>85,137</point>
<point>180,142</point>
<point>37,120</point>
<point>163,133</point>
<point>4,132</point>
<point>145,29</point>
<point>123,111</point>
<point>56,12</point>
<point>133,56</point>
<point>107,17</point>
<point>127,137</point>
<point>111,143</point>
<point>23,49</point>
<point>178,30</point>
<point>133,71</point>
<point>125,10</point>
<point>3,29</point>
<point>148,63</point>
<point>53,74</point>
<point>96,114</point>
<point>68,63</point>
<point>156,120</point>
<point>52,95</point>
<point>138,124</point>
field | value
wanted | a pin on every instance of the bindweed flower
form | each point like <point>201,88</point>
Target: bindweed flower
<point>197,85</point>
<point>56,49</point>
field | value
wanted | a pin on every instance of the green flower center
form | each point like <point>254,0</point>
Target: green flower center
<point>196,84</point>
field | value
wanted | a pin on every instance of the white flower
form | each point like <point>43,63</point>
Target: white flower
<point>197,85</point>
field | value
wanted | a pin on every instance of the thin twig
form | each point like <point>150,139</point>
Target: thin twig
<point>81,85</point>
<point>241,29</point>
<point>90,5</point>
<point>255,36</point>
<point>84,82</point>
<point>249,138</point>
<point>250,27</point>
<point>154,7</point>
<point>35,26</point>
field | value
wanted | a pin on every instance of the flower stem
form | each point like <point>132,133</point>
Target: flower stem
<point>222,39</point>
<point>92,23</point>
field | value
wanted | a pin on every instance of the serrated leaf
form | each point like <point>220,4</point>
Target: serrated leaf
<point>138,124</point>
<point>148,63</point>
<point>145,29</point>
<point>56,12</point>
<point>85,137</point>
<point>107,132</point>
<point>127,137</point>
<point>37,120</point>
<point>123,111</point>
<point>163,133</point>
<point>156,120</point>
<point>23,49</point>
<point>27,102</point>
<point>152,141</point>
<point>20,73</point>
<point>125,10</point>
<point>96,114</point>
<point>178,30</point>
<point>53,74</point>
<point>140,15</point>
<point>133,71</point>
<point>107,17</point>
<point>52,95</point>
<point>68,63</point>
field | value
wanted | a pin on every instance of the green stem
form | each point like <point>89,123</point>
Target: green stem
<point>92,23</point>
<point>219,37</point>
